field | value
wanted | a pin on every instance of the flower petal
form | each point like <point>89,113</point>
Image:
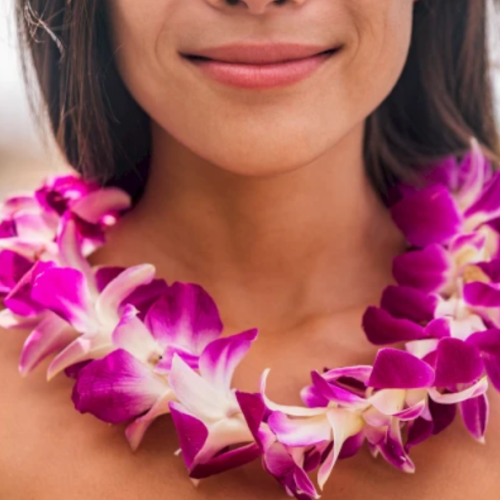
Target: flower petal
<point>117,388</point>
<point>482,294</point>
<point>428,269</point>
<point>427,216</point>
<point>136,430</point>
<point>487,207</point>
<point>132,335</point>
<point>185,316</point>
<point>382,329</point>
<point>393,451</point>
<point>488,342</point>
<point>13,267</point>
<point>300,431</point>
<point>70,244</point>
<point>51,335</point>
<point>409,303</point>
<point>457,362</point>
<point>64,291</point>
<point>419,430</point>
<point>253,409</point>
<point>336,393</point>
<point>345,424</point>
<point>191,431</point>
<point>226,461</point>
<point>84,348</point>
<point>442,415</point>
<point>120,288</point>
<point>395,369</point>
<point>475,414</point>
<point>20,300</point>
<point>94,206</point>
<point>196,394</point>
<point>451,398</point>
<point>221,357</point>
<point>279,463</point>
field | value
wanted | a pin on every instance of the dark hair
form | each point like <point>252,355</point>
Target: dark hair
<point>443,97</point>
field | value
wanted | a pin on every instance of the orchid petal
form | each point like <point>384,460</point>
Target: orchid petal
<point>196,394</point>
<point>227,461</point>
<point>360,373</point>
<point>120,288</point>
<point>427,216</point>
<point>487,207</point>
<point>13,267</point>
<point>279,462</point>
<point>457,362</point>
<point>185,315</point>
<point>488,342</point>
<point>395,369</point>
<point>51,335</point>
<point>336,393</point>
<point>381,328</point>
<point>393,451</point>
<point>345,424</point>
<point>10,320</point>
<point>427,269</point>
<point>95,205</point>
<point>70,252</point>
<point>475,415</point>
<point>132,335</point>
<point>64,291</point>
<point>136,430</point>
<point>300,431</point>
<point>409,303</point>
<point>20,300</point>
<point>478,389</point>
<point>117,388</point>
<point>419,431</point>
<point>442,415</point>
<point>221,357</point>
<point>82,349</point>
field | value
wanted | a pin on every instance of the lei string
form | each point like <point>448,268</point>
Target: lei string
<point>139,348</point>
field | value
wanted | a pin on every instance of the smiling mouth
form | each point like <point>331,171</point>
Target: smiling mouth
<point>195,58</point>
<point>260,76</point>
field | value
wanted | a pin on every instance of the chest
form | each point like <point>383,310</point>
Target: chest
<point>48,451</point>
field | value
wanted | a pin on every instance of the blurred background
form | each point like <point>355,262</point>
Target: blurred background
<point>25,155</point>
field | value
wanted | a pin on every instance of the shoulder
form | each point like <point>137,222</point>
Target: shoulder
<point>50,451</point>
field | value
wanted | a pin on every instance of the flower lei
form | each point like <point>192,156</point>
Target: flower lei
<point>139,348</point>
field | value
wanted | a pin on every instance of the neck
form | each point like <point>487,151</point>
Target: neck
<point>277,249</point>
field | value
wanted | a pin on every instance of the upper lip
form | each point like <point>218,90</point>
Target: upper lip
<point>261,53</point>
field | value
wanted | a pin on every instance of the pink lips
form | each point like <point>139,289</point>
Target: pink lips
<point>260,66</point>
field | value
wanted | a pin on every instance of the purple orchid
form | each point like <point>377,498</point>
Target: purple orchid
<point>465,196</point>
<point>213,431</point>
<point>181,322</point>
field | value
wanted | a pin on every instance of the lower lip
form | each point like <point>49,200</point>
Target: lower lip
<point>261,76</point>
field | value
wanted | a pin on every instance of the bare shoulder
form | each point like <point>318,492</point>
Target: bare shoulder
<point>48,451</point>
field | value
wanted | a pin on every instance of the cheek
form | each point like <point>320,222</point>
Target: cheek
<point>136,29</point>
<point>383,30</point>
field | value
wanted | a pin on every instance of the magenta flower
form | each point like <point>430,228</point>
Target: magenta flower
<point>29,224</point>
<point>181,322</point>
<point>457,199</point>
<point>208,416</point>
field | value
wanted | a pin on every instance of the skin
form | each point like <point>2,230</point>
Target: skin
<point>285,233</point>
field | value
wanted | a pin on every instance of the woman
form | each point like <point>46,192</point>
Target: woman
<point>268,187</point>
